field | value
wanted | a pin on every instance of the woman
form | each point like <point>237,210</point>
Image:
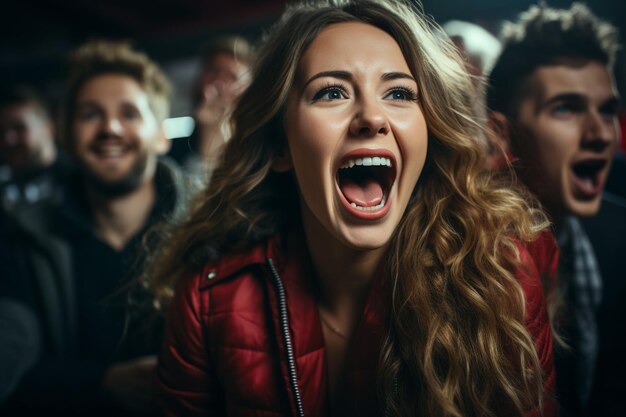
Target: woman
<point>351,256</point>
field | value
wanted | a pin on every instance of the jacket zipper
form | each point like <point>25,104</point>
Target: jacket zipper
<point>284,323</point>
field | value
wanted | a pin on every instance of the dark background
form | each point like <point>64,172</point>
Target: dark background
<point>37,35</point>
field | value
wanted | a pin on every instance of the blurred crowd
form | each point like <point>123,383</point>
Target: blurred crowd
<point>88,191</point>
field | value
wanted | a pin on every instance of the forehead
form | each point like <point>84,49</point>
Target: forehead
<point>112,88</point>
<point>592,80</point>
<point>222,59</point>
<point>21,111</point>
<point>354,46</point>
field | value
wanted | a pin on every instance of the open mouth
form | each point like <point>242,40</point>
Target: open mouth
<point>365,181</point>
<point>108,150</point>
<point>588,175</point>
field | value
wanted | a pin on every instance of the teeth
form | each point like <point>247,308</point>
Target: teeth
<point>111,152</point>
<point>367,162</point>
<point>372,208</point>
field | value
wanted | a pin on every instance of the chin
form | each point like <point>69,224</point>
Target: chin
<point>366,240</point>
<point>585,208</point>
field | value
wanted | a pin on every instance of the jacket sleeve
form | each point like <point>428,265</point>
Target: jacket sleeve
<point>186,383</point>
<point>537,322</point>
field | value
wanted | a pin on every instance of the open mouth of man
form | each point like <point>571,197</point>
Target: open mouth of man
<point>109,150</point>
<point>588,176</point>
<point>365,183</point>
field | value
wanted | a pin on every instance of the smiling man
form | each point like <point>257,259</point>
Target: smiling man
<point>553,108</point>
<point>76,257</point>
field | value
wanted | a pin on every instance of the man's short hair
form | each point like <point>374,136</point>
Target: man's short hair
<point>544,36</point>
<point>23,95</point>
<point>100,57</point>
<point>233,45</point>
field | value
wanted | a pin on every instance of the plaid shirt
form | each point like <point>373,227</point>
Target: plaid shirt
<point>582,283</point>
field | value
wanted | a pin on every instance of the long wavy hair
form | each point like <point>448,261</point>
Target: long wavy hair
<point>456,342</point>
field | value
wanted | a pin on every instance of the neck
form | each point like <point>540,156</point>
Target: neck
<point>117,220</point>
<point>344,274</point>
<point>557,220</point>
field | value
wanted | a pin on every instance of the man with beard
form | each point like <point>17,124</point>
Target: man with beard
<point>29,162</point>
<point>72,262</point>
<point>554,108</point>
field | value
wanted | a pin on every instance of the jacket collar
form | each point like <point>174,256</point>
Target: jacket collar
<point>230,264</point>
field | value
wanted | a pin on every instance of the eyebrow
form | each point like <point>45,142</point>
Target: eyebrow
<point>579,98</point>
<point>345,75</point>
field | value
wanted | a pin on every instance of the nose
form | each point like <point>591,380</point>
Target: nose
<point>369,120</point>
<point>111,126</point>
<point>600,131</point>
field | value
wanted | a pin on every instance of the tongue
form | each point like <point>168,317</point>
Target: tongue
<point>365,193</point>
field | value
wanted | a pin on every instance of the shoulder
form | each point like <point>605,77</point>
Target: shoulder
<point>537,259</point>
<point>543,253</point>
<point>226,275</point>
<point>537,269</point>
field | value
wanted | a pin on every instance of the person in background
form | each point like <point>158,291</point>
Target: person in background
<point>553,109</point>
<point>477,46</point>
<point>29,165</point>
<point>479,50</point>
<point>72,261</point>
<point>224,75</point>
<point>352,255</point>
<point>21,343</point>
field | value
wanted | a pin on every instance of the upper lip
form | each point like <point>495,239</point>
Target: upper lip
<point>598,163</point>
<point>363,153</point>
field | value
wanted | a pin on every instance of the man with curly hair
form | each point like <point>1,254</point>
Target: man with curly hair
<point>553,109</point>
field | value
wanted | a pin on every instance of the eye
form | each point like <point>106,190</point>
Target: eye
<point>330,93</point>
<point>610,110</point>
<point>87,114</point>
<point>561,109</point>
<point>401,94</point>
<point>130,113</point>
<point>565,109</point>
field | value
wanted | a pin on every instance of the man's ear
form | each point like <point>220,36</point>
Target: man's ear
<point>283,162</point>
<point>498,134</point>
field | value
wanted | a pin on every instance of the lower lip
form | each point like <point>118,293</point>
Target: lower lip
<point>365,214</point>
<point>583,189</point>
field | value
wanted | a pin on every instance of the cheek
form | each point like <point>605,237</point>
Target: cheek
<point>312,140</point>
<point>81,133</point>
<point>556,150</point>
<point>413,142</point>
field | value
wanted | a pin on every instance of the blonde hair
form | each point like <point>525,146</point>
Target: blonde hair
<point>457,343</point>
<point>100,56</point>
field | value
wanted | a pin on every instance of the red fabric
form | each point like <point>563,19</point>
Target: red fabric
<point>622,124</point>
<point>223,353</point>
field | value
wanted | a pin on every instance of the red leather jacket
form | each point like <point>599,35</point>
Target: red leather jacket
<point>244,339</point>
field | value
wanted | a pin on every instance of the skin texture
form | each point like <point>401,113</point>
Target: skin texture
<point>570,117</point>
<point>222,80</point>
<point>116,136</point>
<point>354,93</point>
<point>26,138</point>
<point>223,77</point>
<point>369,103</point>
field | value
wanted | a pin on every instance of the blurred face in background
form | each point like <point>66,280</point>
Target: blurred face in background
<point>26,138</point>
<point>116,135</point>
<point>565,137</point>
<point>223,78</point>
